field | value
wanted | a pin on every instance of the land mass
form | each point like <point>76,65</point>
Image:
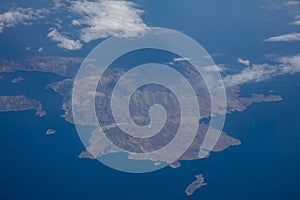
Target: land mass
<point>17,80</point>
<point>141,101</point>
<point>62,66</point>
<point>198,183</point>
<point>20,103</point>
<point>50,132</point>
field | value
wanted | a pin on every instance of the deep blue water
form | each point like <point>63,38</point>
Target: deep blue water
<point>36,166</point>
<point>266,165</point>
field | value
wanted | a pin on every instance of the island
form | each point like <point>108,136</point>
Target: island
<point>20,103</point>
<point>50,132</point>
<point>142,100</point>
<point>175,164</point>
<point>17,80</point>
<point>198,183</point>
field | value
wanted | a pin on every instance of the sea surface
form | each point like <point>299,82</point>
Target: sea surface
<point>36,166</point>
<point>266,166</point>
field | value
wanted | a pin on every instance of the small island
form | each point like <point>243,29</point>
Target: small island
<point>17,80</point>
<point>175,164</point>
<point>198,183</point>
<point>50,132</point>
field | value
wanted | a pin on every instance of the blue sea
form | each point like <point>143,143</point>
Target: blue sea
<point>266,166</point>
<point>37,166</point>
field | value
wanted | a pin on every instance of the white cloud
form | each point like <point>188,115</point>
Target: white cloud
<point>19,15</point>
<point>57,4</point>
<point>181,59</point>
<point>261,72</point>
<point>40,49</point>
<point>297,22</point>
<point>210,68</point>
<point>255,73</point>
<point>104,18</point>
<point>91,20</point>
<point>284,38</point>
<point>244,62</point>
<point>292,3</point>
<point>290,64</point>
<point>63,41</point>
<point>215,68</point>
<point>290,6</point>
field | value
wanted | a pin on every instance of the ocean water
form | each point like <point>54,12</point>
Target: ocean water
<point>266,166</point>
<point>36,166</point>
